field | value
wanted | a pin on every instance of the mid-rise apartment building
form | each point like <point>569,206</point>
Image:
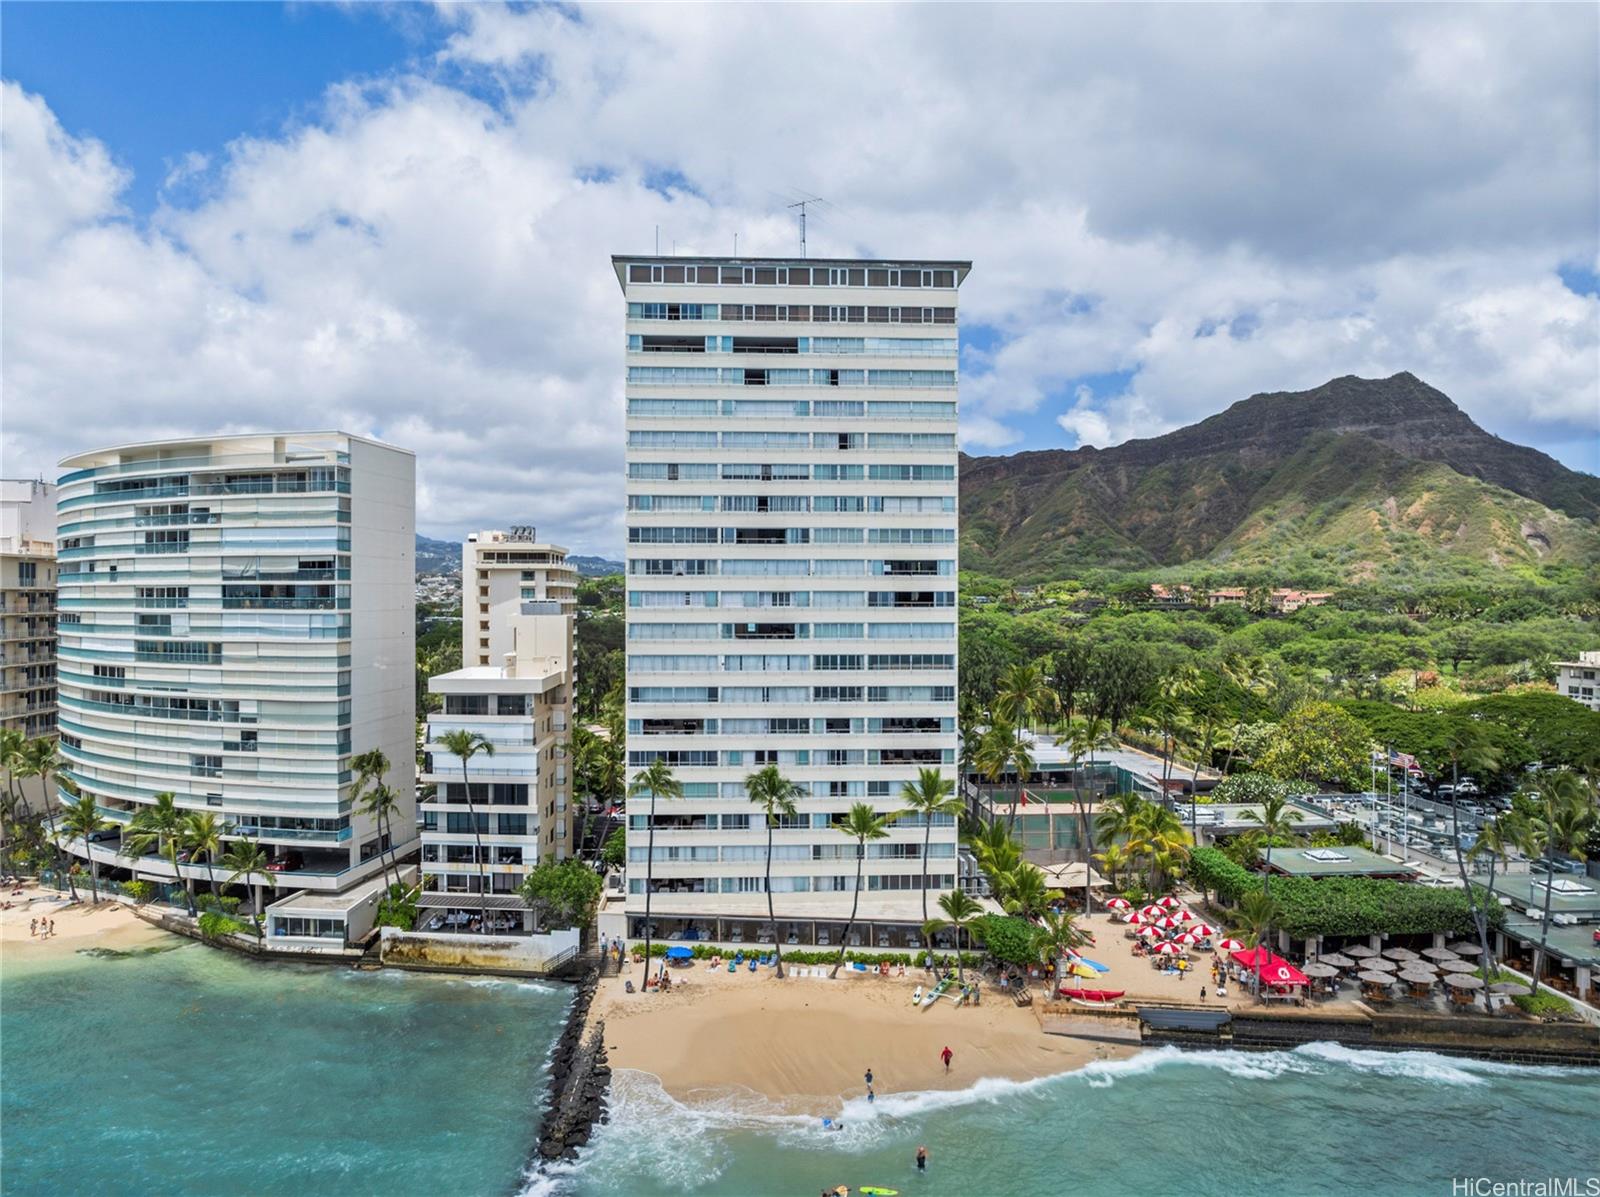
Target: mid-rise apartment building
<point>1580,680</point>
<point>237,621</point>
<point>499,572</point>
<point>791,572</point>
<point>27,607</point>
<point>512,806</point>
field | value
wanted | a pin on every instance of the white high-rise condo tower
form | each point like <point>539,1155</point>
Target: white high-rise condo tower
<point>791,513</point>
<point>237,621</point>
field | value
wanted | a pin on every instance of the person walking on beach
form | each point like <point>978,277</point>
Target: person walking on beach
<point>922,1159</point>
<point>33,928</point>
<point>945,1056</point>
<point>869,1076</point>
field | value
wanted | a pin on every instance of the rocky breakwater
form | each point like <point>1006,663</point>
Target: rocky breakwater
<point>579,1078</point>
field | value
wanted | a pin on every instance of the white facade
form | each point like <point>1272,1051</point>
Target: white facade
<point>1580,680</point>
<point>237,621</point>
<point>499,572</point>
<point>28,608</point>
<point>791,496</point>
<point>521,795</point>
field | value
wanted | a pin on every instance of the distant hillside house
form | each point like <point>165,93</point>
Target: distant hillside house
<point>1580,680</point>
<point>1284,599</point>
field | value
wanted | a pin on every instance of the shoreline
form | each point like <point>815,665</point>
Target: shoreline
<point>110,925</point>
<point>803,1044</point>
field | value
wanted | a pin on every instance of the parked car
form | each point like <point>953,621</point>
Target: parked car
<point>286,862</point>
<point>1467,785</point>
<point>104,834</point>
<point>1445,792</point>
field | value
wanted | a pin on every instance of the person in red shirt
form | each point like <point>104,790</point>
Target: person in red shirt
<point>945,1056</point>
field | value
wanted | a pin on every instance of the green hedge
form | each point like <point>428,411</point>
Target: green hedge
<point>704,951</point>
<point>1007,938</point>
<point>1342,905</point>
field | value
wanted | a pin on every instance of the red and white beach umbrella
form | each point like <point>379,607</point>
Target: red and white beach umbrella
<point>1136,919</point>
<point>1153,911</point>
<point>1189,937</point>
<point>1150,932</point>
<point>1169,921</point>
<point>1168,949</point>
<point>1168,902</point>
<point>1229,945</point>
<point>1202,929</point>
<point>1184,916</point>
<point>1118,904</point>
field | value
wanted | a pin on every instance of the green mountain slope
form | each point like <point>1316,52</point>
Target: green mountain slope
<point>1367,473</point>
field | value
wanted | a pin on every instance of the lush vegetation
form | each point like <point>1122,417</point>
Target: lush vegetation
<point>561,893</point>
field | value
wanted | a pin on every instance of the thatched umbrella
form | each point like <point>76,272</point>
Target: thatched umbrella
<point>1379,963</point>
<point>1320,970</point>
<point>1398,954</point>
<point>1371,978</point>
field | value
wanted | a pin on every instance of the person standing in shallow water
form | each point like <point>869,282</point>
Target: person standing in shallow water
<point>922,1159</point>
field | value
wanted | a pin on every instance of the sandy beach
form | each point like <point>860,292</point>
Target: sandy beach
<point>78,925</point>
<point>804,1043</point>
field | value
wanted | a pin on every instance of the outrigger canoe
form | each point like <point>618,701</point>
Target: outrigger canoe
<point>937,992</point>
<point>1092,997</point>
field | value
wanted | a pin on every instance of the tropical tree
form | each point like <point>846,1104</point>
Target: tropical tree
<point>1495,839</point>
<point>81,821</point>
<point>1561,819</point>
<point>464,745</point>
<point>1087,737</point>
<point>1465,743</point>
<point>776,795</point>
<point>1055,936</point>
<point>861,823</point>
<point>158,826</point>
<point>12,742</point>
<point>380,801</point>
<point>654,781</point>
<point>960,912</point>
<point>1004,748</point>
<point>38,758</point>
<point>248,860</point>
<point>996,852</point>
<point>1113,859</point>
<point>202,836</point>
<point>1158,833</point>
<point>1274,822</point>
<point>1024,892</point>
<point>1025,698</point>
<point>1256,912</point>
<point>1249,674</point>
<point>931,795</point>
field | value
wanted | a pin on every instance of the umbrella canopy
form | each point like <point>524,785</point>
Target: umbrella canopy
<point>1274,970</point>
<point>1118,904</point>
<point>1372,978</point>
<point>1399,954</point>
<point>1361,951</point>
<point>1168,949</point>
<point>1464,981</point>
<point>1170,921</point>
<point>1439,954</point>
<point>1230,945</point>
<point>1338,961</point>
<point>1150,932</point>
<point>1202,929</point>
<point>1380,964</point>
<point>680,953</point>
<point>1418,978</point>
<point>1508,987</point>
<point>1457,966</point>
<point>1188,937</point>
<point>1169,902</point>
<point>1320,970</point>
<point>1152,911</point>
<point>1136,919</point>
<point>1463,948</point>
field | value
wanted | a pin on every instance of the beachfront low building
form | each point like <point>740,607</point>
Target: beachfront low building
<point>236,622</point>
<point>519,811</point>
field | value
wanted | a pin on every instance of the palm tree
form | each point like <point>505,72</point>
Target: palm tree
<point>248,859</point>
<point>82,820</point>
<point>1256,912</point>
<point>776,795</point>
<point>1465,742</point>
<point>1025,892</point>
<point>1087,738</point>
<point>1055,936</point>
<point>1562,822</point>
<point>1249,674</point>
<point>381,802</point>
<point>370,768</point>
<point>960,911</point>
<point>202,836</point>
<point>861,823</point>
<point>12,742</point>
<point>158,826</point>
<point>464,745</point>
<point>657,781</point>
<point>997,853</point>
<point>1003,747</point>
<point>1159,833</point>
<point>1024,697</point>
<point>932,794</point>
<point>38,758</point>
<point>1203,731</point>
<point>1113,860</point>
<point>1275,824</point>
<point>1495,839</point>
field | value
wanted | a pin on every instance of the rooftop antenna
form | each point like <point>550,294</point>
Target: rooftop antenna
<point>801,204</point>
<point>805,203</point>
<point>658,241</point>
<point>736,245</point>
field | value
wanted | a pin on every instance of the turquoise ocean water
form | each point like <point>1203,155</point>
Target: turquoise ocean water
<point>194,1072</point>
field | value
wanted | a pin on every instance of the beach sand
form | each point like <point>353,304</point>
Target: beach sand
<point>78,925</point>
<point>804,1043</point>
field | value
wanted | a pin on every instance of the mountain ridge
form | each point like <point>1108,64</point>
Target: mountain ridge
<point>1375,467</point>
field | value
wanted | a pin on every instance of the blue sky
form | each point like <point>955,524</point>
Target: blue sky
<point>429,250</point>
